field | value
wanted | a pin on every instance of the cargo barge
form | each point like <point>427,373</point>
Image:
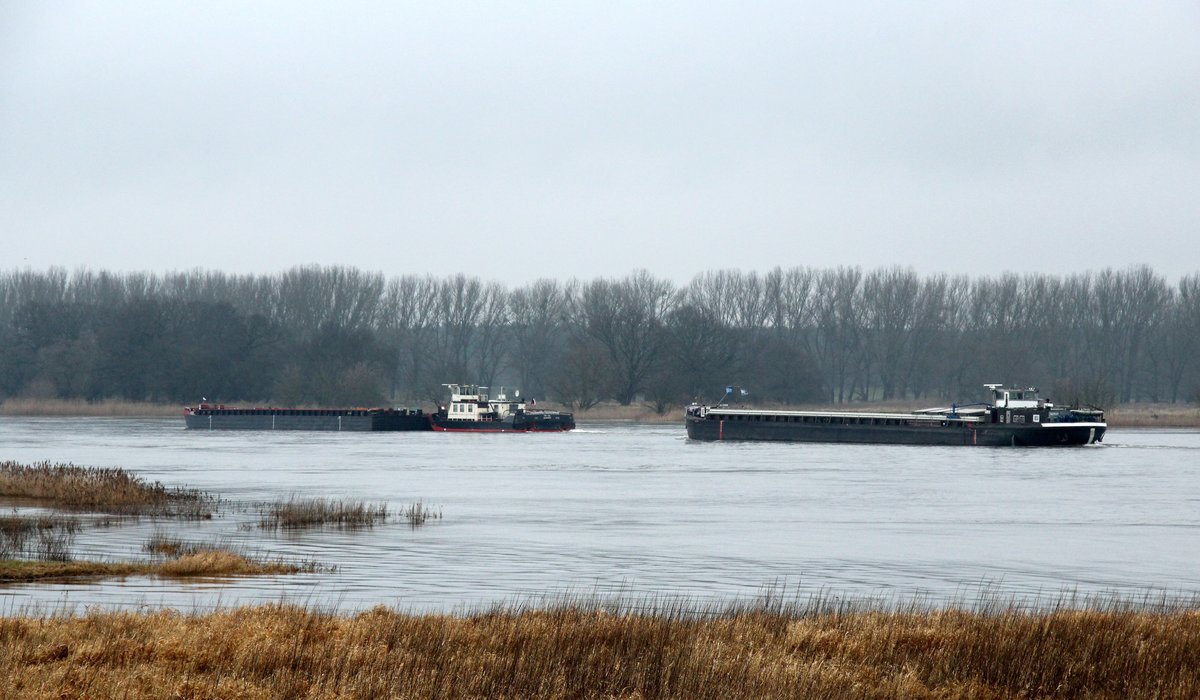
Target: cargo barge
<point>220,417</point>
<point>1014,417</point>
<point>471,410</point>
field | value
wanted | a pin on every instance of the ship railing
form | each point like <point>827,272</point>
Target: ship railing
<point>724,411</point>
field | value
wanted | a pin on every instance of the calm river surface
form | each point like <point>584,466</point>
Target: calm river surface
<point>639,510</point>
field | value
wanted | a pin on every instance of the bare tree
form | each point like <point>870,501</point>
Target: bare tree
<point>626,317</point>
<point>539,313</point>
<point>492,339</point>
<point>468,338</point>
<point>889,298</point>
<point>1179,341</point>
<point>578,380</point>
<point>1099,337</point>
<point>839,316</point>
<point>310,297</point>
<point>406,322</point>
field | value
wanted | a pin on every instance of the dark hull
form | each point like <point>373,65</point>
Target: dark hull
<point>306,419</point>
<point>536,423</point>
<point>986,434</point>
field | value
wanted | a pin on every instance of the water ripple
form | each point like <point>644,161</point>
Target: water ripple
<point>641,510</point>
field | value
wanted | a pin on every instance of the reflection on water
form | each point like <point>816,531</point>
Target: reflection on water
<point>641,510</point>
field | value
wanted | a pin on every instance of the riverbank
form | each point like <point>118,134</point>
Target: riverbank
<point>1133,415</point>
<point>590,651</point>
<point>67,408</point>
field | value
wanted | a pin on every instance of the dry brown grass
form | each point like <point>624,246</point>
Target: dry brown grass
<point>222,562</point>
<point>112,408</point>
<point>102,490</point>
<point>1154,415</point>
<point>201,563</point>
<point>187,558</point>
<point>586,652</point>
<point>21,571</point>
<point>632,414</point>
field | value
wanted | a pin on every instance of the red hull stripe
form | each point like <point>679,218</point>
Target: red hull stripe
<point>442,429</point>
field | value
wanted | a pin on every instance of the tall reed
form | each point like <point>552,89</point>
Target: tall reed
<point>104,490</point>
<point>417,513</point>
<point>297,513</point>
<point>45,538</point>
<point>587,651</point>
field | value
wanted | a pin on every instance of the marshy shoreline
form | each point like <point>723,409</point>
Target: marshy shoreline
<point>771,646</point>
<point>68,498</point>
<point>1103,648</point>
<point>1133,415</point>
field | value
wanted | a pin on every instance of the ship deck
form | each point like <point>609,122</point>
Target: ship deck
<point>718,413</point>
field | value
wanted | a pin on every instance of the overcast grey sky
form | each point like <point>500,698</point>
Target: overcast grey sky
<point>518,140</point>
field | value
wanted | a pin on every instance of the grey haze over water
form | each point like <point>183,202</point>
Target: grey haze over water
<point>525,140</point>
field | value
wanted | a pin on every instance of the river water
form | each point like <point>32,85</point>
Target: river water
<point>635,510</point>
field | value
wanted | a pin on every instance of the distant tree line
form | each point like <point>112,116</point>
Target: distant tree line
<point>342,336</point>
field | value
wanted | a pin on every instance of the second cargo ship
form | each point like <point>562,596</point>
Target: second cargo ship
<point>220,417</point>
<point>1014,417</point>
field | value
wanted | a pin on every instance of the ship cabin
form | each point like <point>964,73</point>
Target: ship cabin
<point>470,402</point>
<point>1013,405</point>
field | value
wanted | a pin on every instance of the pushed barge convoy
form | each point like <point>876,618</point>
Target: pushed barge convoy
<point>221,417</point>
<point>472,411</point>
<point>1015,417</point>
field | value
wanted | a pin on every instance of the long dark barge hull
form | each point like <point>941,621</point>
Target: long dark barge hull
<point>360,420</point>
<point>528,423</point>
<point>937,433</point>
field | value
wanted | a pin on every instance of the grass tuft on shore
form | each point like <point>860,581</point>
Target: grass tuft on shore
<point>223,562</point>
<point>299,513</point>
<point>22,571</point>
<point>590,652</point>
<point>185,558</point>
<point>97,489</point>
<point>197,564</point>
